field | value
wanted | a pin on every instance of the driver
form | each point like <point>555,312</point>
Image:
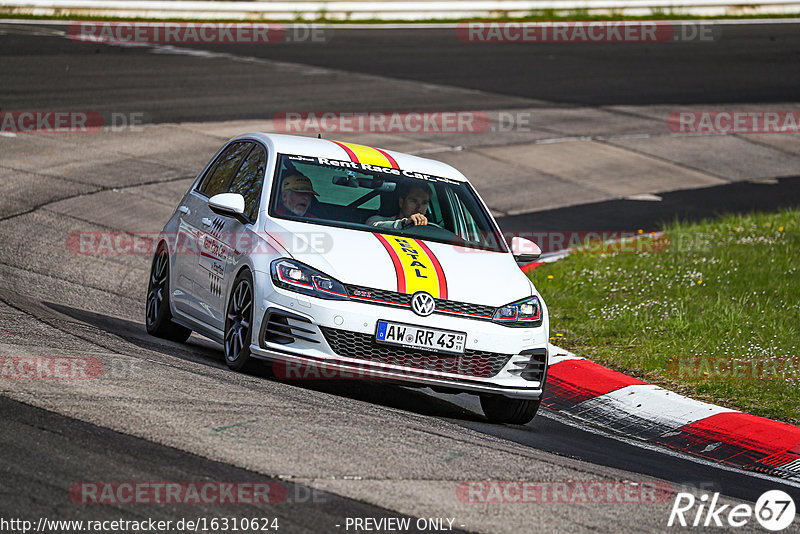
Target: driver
<point>414,200</point>
<point>296,194</point>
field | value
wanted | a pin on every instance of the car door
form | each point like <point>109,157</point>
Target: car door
<point>199,232</point>
<point>218,262</point>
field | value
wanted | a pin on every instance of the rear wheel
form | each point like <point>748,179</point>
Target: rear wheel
<point>158,317</point>
<point>499,409</point>
<point>238,323</point>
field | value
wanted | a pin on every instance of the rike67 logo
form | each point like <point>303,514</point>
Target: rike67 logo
<point>774,510</point>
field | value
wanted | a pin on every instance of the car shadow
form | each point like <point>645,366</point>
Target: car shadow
<point>200,350</point>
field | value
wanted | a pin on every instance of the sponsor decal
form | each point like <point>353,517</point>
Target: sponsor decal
<point>375,164</point>
<point>213,252</point>
<point>416,266</point>
<point>368,155</point>
<point>211,247</point>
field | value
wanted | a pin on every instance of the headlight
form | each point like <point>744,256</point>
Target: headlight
<point>525,313</point>
<point>294,276</point>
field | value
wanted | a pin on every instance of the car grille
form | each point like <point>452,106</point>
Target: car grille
<point>445,307</point>
<point>472,363</point>
<point>379,296</point>
<point>280,327</point>
<point>535,368</point>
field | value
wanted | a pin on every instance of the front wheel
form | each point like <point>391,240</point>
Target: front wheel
<point>238,322</point>
<point>499,409</point>
<point>158,318</point>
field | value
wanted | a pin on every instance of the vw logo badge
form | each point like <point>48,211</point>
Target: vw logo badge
<point>422,304</point>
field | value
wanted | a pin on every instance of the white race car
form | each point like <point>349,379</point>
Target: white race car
<point>337,260</point>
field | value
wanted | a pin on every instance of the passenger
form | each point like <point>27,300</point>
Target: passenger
<point>414,200</point>
<point>296,194</point>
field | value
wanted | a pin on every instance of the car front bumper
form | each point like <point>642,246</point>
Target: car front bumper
<point>314,338</point>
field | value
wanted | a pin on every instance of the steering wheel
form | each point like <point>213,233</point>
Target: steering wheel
<point>410,224</point>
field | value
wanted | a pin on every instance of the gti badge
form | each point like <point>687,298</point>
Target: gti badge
<point>422,304</point>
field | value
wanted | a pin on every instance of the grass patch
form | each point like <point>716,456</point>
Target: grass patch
<point>715,316</point>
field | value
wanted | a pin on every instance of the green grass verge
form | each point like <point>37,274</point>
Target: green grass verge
<point>715,316</point>
<point>536,16</point>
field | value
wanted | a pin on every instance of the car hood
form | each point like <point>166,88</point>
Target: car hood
<point>404,264</point>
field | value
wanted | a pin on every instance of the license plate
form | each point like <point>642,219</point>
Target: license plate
<point>417,337</point>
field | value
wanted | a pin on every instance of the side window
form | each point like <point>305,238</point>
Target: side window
<point>434,208</point>
<point>249,179</point>
<point>473,233</point>
<point>464,221</point>
<point>218,178</point>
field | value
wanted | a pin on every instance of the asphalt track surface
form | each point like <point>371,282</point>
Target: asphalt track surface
<point>42,452</point>
<point>45,452</point>
<point>692,205</point>
<point>752,63</point>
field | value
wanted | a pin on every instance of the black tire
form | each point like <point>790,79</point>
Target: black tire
<point>239,323</point>
<point>499,409</point>
<point>158,317</point>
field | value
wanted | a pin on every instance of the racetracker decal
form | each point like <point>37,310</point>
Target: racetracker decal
<point>416,266</point>
<point>368,155</point>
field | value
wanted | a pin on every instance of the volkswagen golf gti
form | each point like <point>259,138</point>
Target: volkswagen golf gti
<point>326,259</point>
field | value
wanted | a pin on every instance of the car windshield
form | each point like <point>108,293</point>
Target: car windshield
<point>378,199</point>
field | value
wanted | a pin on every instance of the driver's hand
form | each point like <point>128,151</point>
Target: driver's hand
<point>416,219</point>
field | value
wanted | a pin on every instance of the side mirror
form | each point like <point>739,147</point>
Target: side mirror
<point>228,205</point>
<point>524,250</point>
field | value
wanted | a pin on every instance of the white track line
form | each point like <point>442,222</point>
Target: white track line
<point>661,406</point>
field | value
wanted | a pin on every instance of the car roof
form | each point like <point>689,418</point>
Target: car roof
<point>312,146</point>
